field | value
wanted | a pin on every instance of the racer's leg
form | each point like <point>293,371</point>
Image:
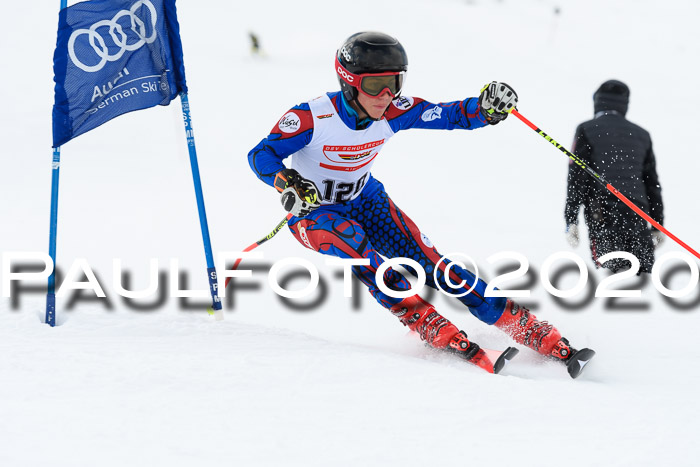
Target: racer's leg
<point>328,231</point>
<point>394,234</point>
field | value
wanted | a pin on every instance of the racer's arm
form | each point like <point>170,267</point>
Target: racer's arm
<point>291,133</point>
<point>413,112</point>
<point>491,107</point>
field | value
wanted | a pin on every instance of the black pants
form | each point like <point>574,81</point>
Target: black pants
<point>622,232</point>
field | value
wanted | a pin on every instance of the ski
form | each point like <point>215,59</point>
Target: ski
<point>489,360</point>
<point>493,361</point>
<point>578,361</point>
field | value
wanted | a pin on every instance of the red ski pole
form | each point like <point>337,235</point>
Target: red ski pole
<point>258,243</point>
<point>582,164</point>
<point>252,247</point>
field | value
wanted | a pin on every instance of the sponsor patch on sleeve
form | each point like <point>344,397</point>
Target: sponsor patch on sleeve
<point>290,123</point>
<point>403,103</point>
<point>432,114</point>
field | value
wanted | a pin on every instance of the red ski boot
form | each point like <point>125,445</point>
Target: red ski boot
<point>526,329</point>
<point>438,332</point>
<point>421,317</point>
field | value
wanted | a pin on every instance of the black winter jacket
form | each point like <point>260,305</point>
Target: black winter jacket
<point>621,152</point>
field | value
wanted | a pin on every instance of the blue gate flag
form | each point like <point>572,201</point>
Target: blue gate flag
<point>114,57</point>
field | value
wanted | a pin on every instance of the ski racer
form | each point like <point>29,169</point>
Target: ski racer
<point>340,209</point>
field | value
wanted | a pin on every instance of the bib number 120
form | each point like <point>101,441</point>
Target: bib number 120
<point>343,191</point>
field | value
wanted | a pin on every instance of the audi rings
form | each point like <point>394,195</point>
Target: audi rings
<point>117,34</point>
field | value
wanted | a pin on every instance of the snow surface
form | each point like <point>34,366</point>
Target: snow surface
<point>337,385</point>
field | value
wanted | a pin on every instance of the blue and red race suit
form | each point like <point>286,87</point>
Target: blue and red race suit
<point>330,146</point>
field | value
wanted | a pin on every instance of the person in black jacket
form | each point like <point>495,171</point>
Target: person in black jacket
<point>621,152</point>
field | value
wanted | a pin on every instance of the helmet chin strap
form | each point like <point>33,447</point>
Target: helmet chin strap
<point>357,102</point>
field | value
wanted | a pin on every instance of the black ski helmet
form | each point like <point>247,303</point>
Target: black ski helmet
<point>369,52</point>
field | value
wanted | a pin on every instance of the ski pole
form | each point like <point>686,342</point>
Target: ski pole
<point>252,247</point>
<point>582,164</point>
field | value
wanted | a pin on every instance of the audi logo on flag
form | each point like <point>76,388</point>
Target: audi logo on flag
<point>117,34</point>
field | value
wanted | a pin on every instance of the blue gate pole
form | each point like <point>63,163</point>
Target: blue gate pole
<point>211,270</point>
<point>51,289</point>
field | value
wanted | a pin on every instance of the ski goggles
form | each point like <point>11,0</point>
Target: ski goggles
<point>372,84</point>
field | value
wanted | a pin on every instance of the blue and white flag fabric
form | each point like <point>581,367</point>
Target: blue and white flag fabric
<point>114,57</point>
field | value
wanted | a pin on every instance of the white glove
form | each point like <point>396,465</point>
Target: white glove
<point>496,101</point>
<point>572,235</point>
<point>657,238</point>
<point>300,205</point>
<point>298,195</point>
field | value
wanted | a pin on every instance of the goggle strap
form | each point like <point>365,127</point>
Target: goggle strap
<point>348,77</point>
